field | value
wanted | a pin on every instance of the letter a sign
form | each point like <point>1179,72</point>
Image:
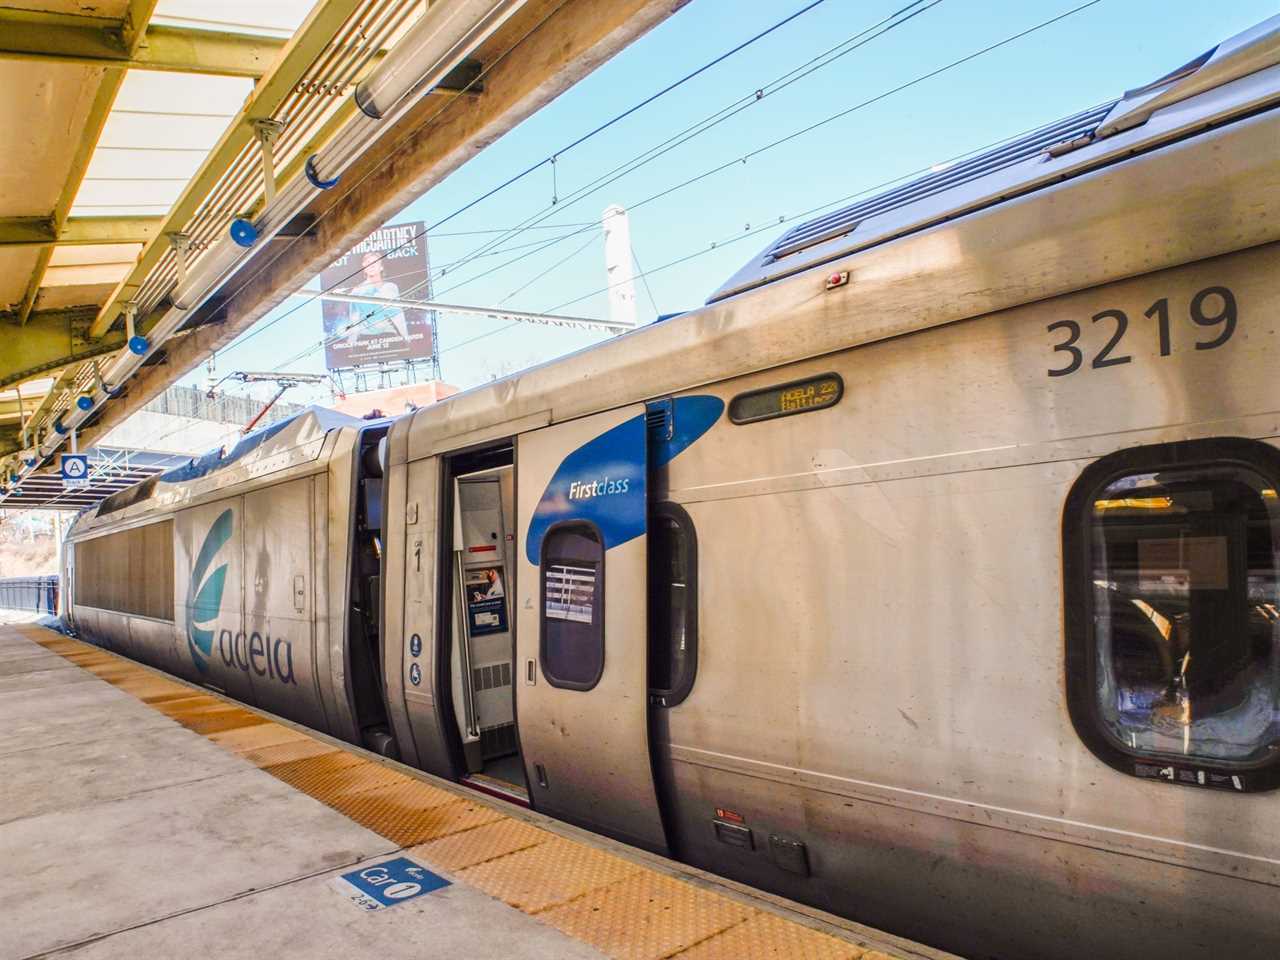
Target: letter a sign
<point>75,471</point>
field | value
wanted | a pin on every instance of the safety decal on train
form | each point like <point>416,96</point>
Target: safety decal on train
<point>603,481</point>
<point>265,656</point>
<point>206,589</point>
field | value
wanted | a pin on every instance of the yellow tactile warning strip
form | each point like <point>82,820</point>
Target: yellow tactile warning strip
<point>622,908</point>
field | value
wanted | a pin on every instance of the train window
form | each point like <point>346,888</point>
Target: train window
<point>128,572</point>
<point>1173,612</point>
<point>673,605</point>
<point>798,396</point>
<point>572,648</point>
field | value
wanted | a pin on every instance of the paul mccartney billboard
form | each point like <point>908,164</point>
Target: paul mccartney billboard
<point>391,263</point>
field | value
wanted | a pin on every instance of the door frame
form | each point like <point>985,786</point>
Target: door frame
<point>474,458</point>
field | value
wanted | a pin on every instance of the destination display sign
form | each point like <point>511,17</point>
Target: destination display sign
<point>799,396</point>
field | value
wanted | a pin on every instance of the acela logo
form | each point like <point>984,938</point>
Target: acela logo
<point>206,588</point>
<point>266,657</point>
<point>263,655</point>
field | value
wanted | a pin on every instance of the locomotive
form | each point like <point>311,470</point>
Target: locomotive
<point>928,574</point>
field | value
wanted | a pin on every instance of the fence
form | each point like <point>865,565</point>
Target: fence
<point>32,594</point>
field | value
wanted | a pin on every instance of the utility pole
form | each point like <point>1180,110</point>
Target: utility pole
<point>618,266</point>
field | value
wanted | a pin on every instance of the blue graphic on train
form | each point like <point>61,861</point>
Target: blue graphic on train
<point>204,592</point>
<point>604,481</point>
<point>248,651</point>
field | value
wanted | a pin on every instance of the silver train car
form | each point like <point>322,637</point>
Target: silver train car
<point>929,574</point>
<point>253,571</point>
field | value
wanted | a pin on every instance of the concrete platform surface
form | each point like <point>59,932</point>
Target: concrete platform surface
<point>143,817</point>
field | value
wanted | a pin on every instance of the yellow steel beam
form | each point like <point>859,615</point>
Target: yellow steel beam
<point>112,77</point>
<point>137,15</point>
<point>203,51</point>
<point>14,409</point>
<point>89,40</point>
<point>133,27</point>
<point>50,340</point>
<point>290,67</point>
<point>26,231</point>
<point>43,409</point>
<point>77,231</point>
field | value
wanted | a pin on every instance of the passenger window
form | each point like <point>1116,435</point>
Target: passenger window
<point>572,649</point>
<point>1174,646</point>
<point>673,605</point>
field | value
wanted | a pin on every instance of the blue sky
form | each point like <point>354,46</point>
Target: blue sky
<point>724,219</point>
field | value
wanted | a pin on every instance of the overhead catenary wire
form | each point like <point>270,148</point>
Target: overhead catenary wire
<point>568,147</point>
<point>743,158</point>
<point>858,40</point>
<point>555,266</point>
<point>720,244</point>
<point>645,278</point>
<point>778,142</point>
<point>806,130</point>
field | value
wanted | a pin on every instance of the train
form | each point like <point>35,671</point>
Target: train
<point>928,574</point>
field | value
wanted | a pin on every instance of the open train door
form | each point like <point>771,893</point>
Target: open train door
<point>582,663</point>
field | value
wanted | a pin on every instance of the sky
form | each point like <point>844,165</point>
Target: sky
<point>717,223</point>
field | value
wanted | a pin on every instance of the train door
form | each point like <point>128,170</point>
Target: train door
<point>581,643</point>
<point>481,634</point>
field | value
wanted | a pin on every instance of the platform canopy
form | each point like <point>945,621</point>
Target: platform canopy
<point>131,132</point>
<point>120,119</point>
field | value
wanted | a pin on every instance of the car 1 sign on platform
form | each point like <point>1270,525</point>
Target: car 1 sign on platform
<point>75,470</point>
<point>388,883</point>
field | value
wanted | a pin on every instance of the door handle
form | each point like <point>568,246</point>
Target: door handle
<point>530,672</point>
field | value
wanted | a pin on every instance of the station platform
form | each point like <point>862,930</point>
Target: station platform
<point>144,817</point>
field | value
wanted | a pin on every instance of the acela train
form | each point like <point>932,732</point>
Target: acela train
<point>929,574</point>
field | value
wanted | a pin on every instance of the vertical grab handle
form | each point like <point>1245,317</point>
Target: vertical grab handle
<point>464,635</point>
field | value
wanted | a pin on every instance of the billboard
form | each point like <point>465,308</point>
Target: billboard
<point>391,263</point>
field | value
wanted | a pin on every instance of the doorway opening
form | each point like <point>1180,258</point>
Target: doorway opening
<point>479,631</point>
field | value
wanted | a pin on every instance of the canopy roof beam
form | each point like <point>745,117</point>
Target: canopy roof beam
<point>90,41</point>
<point>138,13</point>
<point>77,231</point>
<point>288,69</point>
<point>50,340</point>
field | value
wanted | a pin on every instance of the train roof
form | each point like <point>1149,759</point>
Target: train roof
<point>278,447</point>
<point>996,174</point>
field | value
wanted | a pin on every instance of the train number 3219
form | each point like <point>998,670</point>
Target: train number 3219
<point>1213,308</point>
